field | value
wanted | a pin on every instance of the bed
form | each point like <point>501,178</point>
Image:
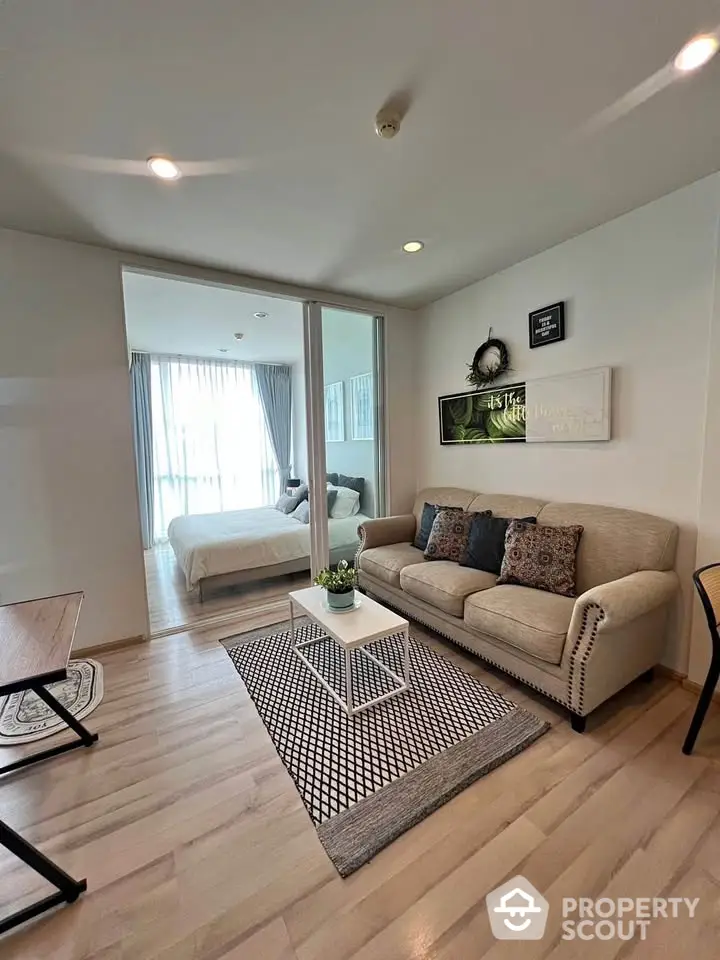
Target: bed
<point>238,546</point>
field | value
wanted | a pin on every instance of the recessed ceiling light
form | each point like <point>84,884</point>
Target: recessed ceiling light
<point>696,53</point>
<point>238,336</point>
<point>164,168</point>
<point>261,315</point>
<point>222,349</point>
<point>413,246</point>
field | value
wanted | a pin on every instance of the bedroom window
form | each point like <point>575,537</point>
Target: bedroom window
<point>211,447</point>
<point>334,413</point>
<point>362,418</point>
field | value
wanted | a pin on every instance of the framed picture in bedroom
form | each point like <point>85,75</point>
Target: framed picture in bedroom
<point>362,413</point>
<point>334,412</point>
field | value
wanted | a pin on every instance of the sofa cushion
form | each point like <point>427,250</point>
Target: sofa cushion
<point>449,535</point>
<point>541,557</point>
<point>531,620</point>
<point>615,542</point>
<point>385,563</point>
<point>444,584</point>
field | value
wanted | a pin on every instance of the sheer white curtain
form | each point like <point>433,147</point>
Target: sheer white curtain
<point>211,448</point>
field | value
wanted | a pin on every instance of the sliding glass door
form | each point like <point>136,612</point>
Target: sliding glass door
<point>345,423</point>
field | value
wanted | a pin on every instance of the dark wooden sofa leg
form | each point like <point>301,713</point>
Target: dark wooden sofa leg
<point>577,722</point>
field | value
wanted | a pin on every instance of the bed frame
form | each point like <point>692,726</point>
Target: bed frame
<point>238,577</point>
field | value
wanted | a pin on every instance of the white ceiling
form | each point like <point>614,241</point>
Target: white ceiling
<point>165,315</point>
<point>270,106</point>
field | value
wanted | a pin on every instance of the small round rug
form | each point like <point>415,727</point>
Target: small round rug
<point>24,717</point>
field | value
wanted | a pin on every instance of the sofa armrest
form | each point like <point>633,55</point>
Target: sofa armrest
<point>387,530</point>
<point>621,601</point>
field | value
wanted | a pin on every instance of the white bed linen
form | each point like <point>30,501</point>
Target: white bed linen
<point>209,544</point>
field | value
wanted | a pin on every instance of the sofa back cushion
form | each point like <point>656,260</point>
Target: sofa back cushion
<point>615,542</point>
<point>501,504</point>
<point>443,497</point>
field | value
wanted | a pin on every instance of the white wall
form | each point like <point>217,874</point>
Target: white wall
<point>708,543</point>
<point>68,501</point>
<point>348,352</point>
<point>639,294</point>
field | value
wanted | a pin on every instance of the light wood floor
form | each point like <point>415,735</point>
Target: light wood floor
<point>172,606</point>
<point>196,845</point>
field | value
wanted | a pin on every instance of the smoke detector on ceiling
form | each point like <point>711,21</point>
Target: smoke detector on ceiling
<point>387,123</point>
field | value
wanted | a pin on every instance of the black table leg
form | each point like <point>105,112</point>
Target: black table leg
<point>87,739</point>
<point>69,889</point>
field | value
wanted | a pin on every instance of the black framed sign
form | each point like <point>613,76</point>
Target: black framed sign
<point>547,325</point>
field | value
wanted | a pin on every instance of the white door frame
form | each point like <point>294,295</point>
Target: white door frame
<point>315,419</point>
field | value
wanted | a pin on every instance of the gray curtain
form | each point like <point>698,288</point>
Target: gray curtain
<point>142,435</point>
<point>275,387</point>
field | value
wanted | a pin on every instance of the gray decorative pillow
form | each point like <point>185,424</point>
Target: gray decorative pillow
<point>353,483</point>
<point>542,557</point>
<point>301,493</point>
<point>448,538</point>
<point>302,510</point>
<point>286,503</point>
<point>331,478</point>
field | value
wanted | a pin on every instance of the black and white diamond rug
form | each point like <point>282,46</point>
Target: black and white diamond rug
<point>367,779</point>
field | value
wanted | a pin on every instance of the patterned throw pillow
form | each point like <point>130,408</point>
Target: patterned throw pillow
<point>541,557</point>
<point>449,535</point>
<point>427,520</point>
<point>286,503</point>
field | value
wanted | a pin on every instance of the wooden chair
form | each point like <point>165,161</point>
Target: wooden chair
<point>707,581</point>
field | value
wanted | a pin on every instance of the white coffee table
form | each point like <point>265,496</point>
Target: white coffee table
<point>351,631</point>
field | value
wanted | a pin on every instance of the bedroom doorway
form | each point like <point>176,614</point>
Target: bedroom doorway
<point>345,412</point>
<point>217,378</point>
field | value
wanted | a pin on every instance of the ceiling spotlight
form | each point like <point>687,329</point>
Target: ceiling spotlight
<point>222,349</point>
<point>413,246</point>
<point>238,336</point>
<point>164,168</point>
<point>696,53</point>
<point>261,315</point>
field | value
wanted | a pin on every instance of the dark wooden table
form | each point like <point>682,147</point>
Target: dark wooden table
<point>36,638</point>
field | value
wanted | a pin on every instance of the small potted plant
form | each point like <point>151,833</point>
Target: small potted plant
<point>339,586</point>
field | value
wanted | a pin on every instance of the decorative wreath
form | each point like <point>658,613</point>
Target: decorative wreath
<point>483,370</point>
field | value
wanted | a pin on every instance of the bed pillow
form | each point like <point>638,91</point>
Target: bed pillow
<point>347,503</point>
<point>331,478</point>
<point>301,493</point>
<point>449,535</point>
<point>352,483</point>
<point>426,522</point>
<point>542,557</point>
<point>286,503</point>
<point>302,511</point>
<point>486,543</point>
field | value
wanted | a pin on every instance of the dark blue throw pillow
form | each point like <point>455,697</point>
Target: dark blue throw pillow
<point>486,542</point>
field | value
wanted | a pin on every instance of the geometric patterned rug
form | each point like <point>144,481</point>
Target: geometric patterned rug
<point>24,717</point>
<point>366,779</point>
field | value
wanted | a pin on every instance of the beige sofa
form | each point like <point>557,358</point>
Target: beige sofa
<point>579,651</point>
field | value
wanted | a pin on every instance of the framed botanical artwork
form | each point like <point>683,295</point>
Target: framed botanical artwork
<point>334,412</point>
<point>493,415</point>
<point>362,408</point>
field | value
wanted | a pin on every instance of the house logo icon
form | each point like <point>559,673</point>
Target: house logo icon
<point>517,911</point>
